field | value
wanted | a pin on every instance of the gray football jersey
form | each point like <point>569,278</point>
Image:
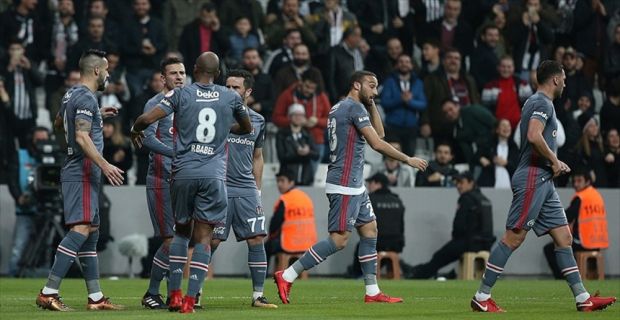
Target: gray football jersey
<point>346,147</point>
<point>158,138</point>
<point>239,178</point>
<point>203,115</point>
<point>80,103</point>
<point>531,164</point>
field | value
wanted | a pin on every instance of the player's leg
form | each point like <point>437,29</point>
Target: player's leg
<point>367,251</point>
<point>257,262</point>
<point>199,265</point>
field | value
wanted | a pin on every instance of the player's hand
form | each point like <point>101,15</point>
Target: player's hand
<point>560,168</point>
<point>114,174</point>
<point>418,163</point>
<point>137,137</point>
<point>564,168</point>
<point>108,112</point>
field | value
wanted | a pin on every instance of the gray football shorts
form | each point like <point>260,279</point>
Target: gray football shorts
<point>537,208</point>
<point>202,200</point>
<point>81,202</point>
<point>348,211</point>
<point>160,209</point>
<point>246,216</point>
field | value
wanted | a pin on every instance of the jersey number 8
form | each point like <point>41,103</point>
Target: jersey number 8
<point>205,132</point>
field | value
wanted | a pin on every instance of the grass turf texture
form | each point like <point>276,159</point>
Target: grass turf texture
<point>318,299</point>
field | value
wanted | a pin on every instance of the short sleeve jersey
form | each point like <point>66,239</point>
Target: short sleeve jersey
<point>203,115</point>
<point>159,164</point>
<point>346,147</point>
<point>531,164</point>
<point>239,178</point>
<point>80,103</point>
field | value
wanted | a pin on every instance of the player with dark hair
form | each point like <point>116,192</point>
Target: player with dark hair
<point>205,113</point>
<point>81,181</point>
<point>243,182</point>
<point>158,138</point>
<point>535,203</point>
<point>352,122</point>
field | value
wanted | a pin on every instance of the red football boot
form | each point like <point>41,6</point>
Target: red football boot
<point>595,303</point>
<point>485,306</point>
<point>381,297</point>
<point>188,305</point>
<point>284,287</point>
<point>176,300</point>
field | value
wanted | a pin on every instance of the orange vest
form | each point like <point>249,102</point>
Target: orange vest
<point>592,220</point>
<point>298,230</point>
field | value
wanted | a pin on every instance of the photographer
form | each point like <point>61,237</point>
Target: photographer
<point>25,203</point>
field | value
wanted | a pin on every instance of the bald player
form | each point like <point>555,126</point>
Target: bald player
<point>535,203</point>
<point>204,115</point>
<point>81,180</point>
<point>351,123</point>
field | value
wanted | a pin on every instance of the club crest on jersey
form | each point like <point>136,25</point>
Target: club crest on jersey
<point>207,94</point>
<point>66,97</point>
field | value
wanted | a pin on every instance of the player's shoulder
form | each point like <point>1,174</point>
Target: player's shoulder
<point>255,116</point>
<point>155,99</point>
<point>81,96</point>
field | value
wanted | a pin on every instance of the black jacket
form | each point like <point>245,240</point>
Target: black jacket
<point>189,44</point>
<point>473,221</point>
<point>132,44</point>
<point>447,170</point>
<point>287,146</point>
<point>487,176</point>
<point>390,213</point>
<point>463,35</point>
<point>484,64</point>
<point>31,80</point>
<point>341,67</point>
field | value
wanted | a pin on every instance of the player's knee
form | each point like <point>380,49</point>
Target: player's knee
<point>215,243</point>
<point>564,241</point>
<point>83,229</point>
<point>340,240</point>
<point>258,240</point>
<point>513,241</point>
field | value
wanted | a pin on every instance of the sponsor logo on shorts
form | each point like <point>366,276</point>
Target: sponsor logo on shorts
<point>530,223</point>
<point>259,211</point>
<point>351,221</point>
<point>218,230</point>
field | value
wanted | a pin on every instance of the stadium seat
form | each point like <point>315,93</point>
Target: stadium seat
<point>394,259</point>
<point>284,261</point>
<point>587,269</point>
<point>472,265</point>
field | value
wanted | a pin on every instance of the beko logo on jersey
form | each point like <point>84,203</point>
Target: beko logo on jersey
<point>243,141</point>
<point>542,114</point>
<point>207,94</point>
<point>84,111</point>
<point>197,148</point>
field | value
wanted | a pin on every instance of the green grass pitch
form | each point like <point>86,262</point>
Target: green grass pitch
<point>318,298</point>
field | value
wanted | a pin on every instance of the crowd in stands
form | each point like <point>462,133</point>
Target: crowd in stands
<point>453,73</point>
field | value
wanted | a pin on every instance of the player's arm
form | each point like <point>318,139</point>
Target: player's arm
<point>243,125</point>
<point>387,150</point>
<point>143,121</point>
<point>58,123</point>
<point>257,167</point>
<point>535,137</point>
<point>152,142</point>
<point>375,120</point>
<point>82,138</point>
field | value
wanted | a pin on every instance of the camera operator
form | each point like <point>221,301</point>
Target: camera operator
<point>19,172</point>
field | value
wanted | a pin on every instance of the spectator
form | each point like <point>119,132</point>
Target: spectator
<point>231,10</point>
<point>291,72</point>
<point>610,112</point>
<point>589,38</point>
<point>612,159</point>
<point>452,30</point>
<point>403,99</point>
<point>292,228</point>
<point>379,20</point>
<point>22,24</point>
<point>587,219</point>
<point>287,20</point>
<point>505,95</point>
<point>451,81</point>
<point>576,82</point>
<point>440,172</point>
<point>25,201</point>
<point>397,175</point>
<point>99,8</point>
<point>500,161</point>
<point>316,104</point>
<point>144,45</point>
<point>497,18</point>
<point>484,61</point>
<point>472,130</point>
<point>94,39</point>
<point>64,35</point>
<point>530,36</point>
<point>591,152</point>
<point>262,98</point>
<point>116,148</point>
<point>394,51</point>
<point>20,81</point>
<point>431,58</point>
<point>203,34</point>
<point>375,60</point>
<point>284,54</point>
<point>72,79</point>
<point>343,61</point>
<point>329,24</point>
<point>472,229</point>
<point>177,14</point>
<point>390,213</point>
<point>585,104</point>
<point>7,141</point>
<point>241,39</point>
<point>296,147</point>
<point>612,57</point>
<point>116,93</point>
